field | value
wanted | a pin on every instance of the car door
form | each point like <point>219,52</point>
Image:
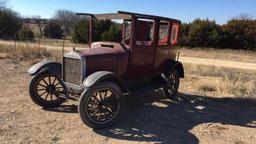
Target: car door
<point>143,51</point>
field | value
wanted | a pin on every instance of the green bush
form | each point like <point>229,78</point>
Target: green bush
<point>26,34</point>
<point>237,34</point>
<point>10,23</point>
<point>184,34</point>
<point>81,32</point>
<point>204,33</point>
<point>53,30</point>
<point>103,30</point>
<point>114,34</point>
<point>100,26</point>
<point>240,33</point>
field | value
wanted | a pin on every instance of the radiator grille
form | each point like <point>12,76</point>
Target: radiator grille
<point>72,71</point>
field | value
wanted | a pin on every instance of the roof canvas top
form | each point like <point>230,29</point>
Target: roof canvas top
<point>126,15</point>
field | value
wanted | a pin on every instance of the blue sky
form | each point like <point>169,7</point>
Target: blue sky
<point>185,10</point>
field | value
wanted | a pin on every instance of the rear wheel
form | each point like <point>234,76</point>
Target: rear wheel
<point>172,85</point>
<point>45,89</point>
<point>101,106</point>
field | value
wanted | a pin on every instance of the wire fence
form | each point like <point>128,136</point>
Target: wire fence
<point>40,47</point>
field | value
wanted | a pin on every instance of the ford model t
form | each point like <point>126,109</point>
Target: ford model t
<point>100,76</point>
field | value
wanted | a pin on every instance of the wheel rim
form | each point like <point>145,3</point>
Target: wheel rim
<point>48,88</point>
<point>103,106</point>
<point>172,84</point>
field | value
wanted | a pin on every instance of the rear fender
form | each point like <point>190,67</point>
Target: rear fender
<point>172,65</point>
<point>101,76</point>
<point>49,66</point>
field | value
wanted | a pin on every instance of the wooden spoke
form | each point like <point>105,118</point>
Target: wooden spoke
<point>95,112</point>
<point>105,95</point>
<point>42,85</point>
<point>101,97</point>
<point>45,82</point>
<point>51,96</point>
<point>54,80</point>
<point>49,80</point>
<point>46,96</point>
<point>41,89</point>
<point>98,118</point>
<point>42,93</point>
<point>56,84</point>
<point>59,87</point>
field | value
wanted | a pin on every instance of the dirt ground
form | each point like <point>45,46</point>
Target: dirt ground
<point>150,118</point>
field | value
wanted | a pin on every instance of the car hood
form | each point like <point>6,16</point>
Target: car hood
<point>106,56</point>
<point>103,48</point>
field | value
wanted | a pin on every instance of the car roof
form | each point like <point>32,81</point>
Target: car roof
<point>127,15</point>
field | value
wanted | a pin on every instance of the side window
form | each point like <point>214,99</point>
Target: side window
<point>174,34</point>
<point>127,33</point>
<point>163,33</point>
<point>144,32</point>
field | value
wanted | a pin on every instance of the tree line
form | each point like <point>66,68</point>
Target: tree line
<point>237,33</point>
<point>63,24</point>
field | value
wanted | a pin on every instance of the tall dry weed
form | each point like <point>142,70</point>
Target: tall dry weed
<point>29,52</point>
<point>228,81</point>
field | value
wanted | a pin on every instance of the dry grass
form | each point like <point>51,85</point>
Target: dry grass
<point>223,81</point>
<point>28,53</point>
<point>207,84</point>
<point>224,54</point>
<point>58,42</point>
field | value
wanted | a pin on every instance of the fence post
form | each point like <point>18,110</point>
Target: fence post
<point>38,41</point>
<point>63,45</point>
<point>15,43</point>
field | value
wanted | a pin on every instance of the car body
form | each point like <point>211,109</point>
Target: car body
<point>146,56</point>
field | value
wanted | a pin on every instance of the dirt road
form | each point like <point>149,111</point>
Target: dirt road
<point>219,63</point>
<point>149,118</point>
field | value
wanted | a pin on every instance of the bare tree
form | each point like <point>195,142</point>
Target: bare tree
<point>244,16</point>
<point>40,24</point>
<point>67,19</point>
<point>3,4</point>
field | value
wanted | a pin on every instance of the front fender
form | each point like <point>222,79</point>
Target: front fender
<point>101,76</point>
<point>50,66</point>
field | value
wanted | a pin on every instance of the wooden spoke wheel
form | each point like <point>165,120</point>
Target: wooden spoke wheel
<point>45,90</point>
<point>101,105</point>
<point>172,85</point>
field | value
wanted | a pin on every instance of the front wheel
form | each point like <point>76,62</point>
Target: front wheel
<point>101,106</point>
<point>45,88</point>
<point>172,85</point>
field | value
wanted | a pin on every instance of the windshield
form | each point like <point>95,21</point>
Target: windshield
<point>107,30</point>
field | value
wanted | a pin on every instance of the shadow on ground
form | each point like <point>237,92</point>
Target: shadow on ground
<point>63,109</point>
<point>153,118</point>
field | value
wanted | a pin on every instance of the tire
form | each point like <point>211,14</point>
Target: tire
<point>92,105</point>
<point>172,86</point>
<point>40,92</point>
